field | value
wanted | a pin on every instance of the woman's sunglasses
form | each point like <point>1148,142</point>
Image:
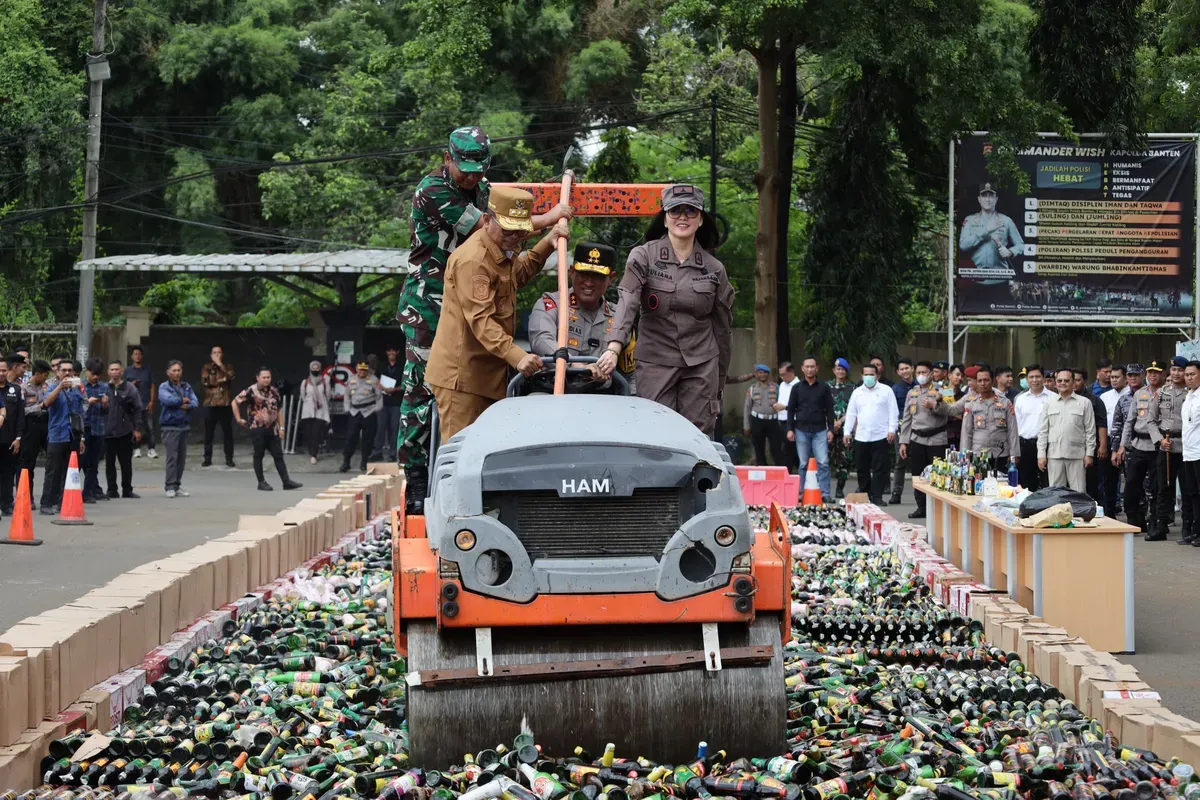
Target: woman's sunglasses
<point>691,212</point>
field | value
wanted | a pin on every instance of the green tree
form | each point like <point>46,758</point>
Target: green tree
<point>1084,55</point>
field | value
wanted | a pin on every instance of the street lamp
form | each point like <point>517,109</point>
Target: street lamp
<point>97,68</point>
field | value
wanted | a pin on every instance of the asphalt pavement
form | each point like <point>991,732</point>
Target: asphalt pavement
<point>125,533</point>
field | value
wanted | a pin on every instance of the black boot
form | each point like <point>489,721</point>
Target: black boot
<point>918,514</point>
<point>1157,533</point>
<point>841,489</point>
<point>415,491</point>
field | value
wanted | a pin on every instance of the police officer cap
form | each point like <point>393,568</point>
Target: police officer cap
<point>941,365</point>
<point>987,188</point>
<point>1154,367</point>
<point>761,368</point>
<point>1179,361</point>
<point>682,194</point>
<point>598,258</point>
<point>1135,369</point>
<point>971,371</point>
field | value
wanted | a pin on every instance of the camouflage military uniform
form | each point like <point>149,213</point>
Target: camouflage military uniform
<point>443,216</point>
<point>840,462</point>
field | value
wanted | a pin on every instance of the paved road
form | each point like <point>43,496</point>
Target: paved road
<point>126,533</point>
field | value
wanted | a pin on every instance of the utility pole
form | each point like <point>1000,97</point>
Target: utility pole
<point>712,151</point>
<point>97,74</point>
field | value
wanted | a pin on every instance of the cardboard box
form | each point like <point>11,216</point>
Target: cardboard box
<point>1045,664</point>
<point>100,700</point>
<point>1191,749</point>
<point>1137,730</point>
<point>14,697</point>
<point>1093,691</point>
<point>133,637</point>
<point>19,765</point>
<point>1115,712</point>
<point>28,636</point>
<point>1169,731</point>
<point>1070,664</point>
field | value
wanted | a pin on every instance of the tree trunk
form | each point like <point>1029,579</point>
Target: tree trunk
<point>767,181</point>
<point>787,150</point>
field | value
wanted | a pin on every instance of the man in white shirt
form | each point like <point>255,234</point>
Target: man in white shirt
<point>1028,408</point>
<point>787,379</point>
<point>1189,479</point>
<point>871,419</point>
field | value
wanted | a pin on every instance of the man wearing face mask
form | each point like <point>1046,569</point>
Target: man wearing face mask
<point>871,421</point>
<point>469,360</point>
<point>923,429</point>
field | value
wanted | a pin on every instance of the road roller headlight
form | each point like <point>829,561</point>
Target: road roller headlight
<point>464,540</point>
<point>725,535</point>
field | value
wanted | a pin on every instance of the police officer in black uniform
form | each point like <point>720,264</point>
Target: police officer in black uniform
<point>12,422</point>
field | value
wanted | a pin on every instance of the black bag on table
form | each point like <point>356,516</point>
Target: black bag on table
<point>1081,505</point>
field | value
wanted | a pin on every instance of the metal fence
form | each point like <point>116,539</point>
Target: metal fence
<point>43,342</point>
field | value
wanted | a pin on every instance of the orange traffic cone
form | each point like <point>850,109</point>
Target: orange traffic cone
<point>812,490</point>
<point>71,512</point>
<point>20,530</point>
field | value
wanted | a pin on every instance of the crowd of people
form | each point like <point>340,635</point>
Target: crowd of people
<point>113,413</point>
<point>1128,439</point>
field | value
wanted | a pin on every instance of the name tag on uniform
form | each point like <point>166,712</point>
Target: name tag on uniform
<point>593,343</point>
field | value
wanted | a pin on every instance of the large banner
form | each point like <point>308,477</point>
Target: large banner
<point>1101,233</point>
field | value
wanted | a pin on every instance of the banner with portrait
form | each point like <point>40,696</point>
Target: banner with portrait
<point>1099,233</point>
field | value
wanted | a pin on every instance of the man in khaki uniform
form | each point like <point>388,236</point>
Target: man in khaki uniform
<point>363,399</point>
<point>760,421</point>
<point>1138,452</point>
<point>989,423</point>
<point>923,428</point>
<point>468,364</point>
<point>1166,428</point>
<point>1067,435</point>
<point>589,314</point>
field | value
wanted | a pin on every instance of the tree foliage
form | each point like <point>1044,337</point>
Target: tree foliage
<point>281,125</point>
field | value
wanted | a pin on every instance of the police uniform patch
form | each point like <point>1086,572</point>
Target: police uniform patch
<point>652,302</point>
<point>549,303</point>
<point>572,342</point>
<point>481,288</point>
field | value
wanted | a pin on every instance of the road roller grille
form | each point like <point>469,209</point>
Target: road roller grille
<point>418,591</point>
<point>549,526</point>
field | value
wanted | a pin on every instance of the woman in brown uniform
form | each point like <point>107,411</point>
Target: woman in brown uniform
<point>686,304</point>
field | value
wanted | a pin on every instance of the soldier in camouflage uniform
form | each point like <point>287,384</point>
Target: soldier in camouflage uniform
<point>449,205</point>
<point>842,389</point>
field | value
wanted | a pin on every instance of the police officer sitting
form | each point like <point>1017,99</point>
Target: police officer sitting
<point>589,313</point>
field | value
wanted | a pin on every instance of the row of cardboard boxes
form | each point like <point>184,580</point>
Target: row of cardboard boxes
<point>1097,682</point>
<point>77,666</point>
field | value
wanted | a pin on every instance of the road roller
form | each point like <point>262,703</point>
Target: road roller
<point>585,571</point>
<point>586,566</point>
